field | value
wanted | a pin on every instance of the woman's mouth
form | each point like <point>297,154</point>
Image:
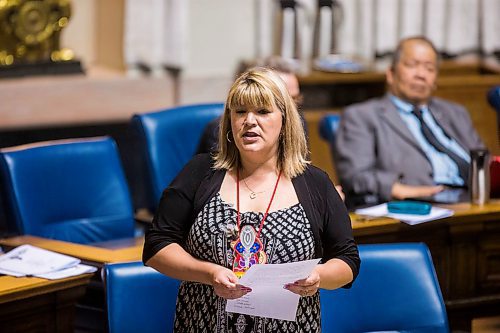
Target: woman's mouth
<point>250,135</point>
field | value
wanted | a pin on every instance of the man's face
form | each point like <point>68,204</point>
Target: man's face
<point>292,85</point>
<point>413,78</point>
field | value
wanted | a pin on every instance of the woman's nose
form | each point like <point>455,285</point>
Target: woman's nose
<point>250,118</point>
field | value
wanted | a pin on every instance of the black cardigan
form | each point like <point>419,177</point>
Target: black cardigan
<point>198,182</point>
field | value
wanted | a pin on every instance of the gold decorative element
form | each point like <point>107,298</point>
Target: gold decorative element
<point>30,31</point>
<point>252,194</point>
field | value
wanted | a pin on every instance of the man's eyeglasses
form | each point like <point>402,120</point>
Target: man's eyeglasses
<point>298,99</point>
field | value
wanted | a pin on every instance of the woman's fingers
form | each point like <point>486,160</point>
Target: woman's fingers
<point>231,293</point>
<point>305,287</point>
<point>225,284</point>
<point>303,291</point>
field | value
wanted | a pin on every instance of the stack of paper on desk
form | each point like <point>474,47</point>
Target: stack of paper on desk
<point>28,260</point>
<point>381,210</point>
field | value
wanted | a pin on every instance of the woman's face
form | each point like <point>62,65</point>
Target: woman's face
<point>256,129</point>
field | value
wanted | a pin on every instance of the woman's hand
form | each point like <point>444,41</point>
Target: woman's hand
<point>225,284</point>
<point>306,287</point>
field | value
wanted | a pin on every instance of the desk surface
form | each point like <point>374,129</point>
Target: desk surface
<point>449,70</point>
<point>113,251</point>
<point>463,213</point>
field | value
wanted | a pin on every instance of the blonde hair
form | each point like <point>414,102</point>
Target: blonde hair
<point>262,87</point>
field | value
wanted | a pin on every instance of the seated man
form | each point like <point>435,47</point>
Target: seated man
<point>407,143</point>
<point>209,139</point>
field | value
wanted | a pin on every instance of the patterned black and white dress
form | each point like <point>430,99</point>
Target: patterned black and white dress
<point>286,236</point>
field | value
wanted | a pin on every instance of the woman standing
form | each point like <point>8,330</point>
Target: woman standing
<point>257,200</point>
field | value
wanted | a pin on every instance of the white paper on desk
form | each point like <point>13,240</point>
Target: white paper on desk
<point>67,272</point>
<point>6,272</point>
<point>31,260</point>
<point>411,219</point>
<point>268,298</point>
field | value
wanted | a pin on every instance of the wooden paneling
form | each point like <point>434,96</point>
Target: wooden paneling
<point>39,305</point>
<point>471,91</point>
<point>109,33</point>
<point>320,151</point>
<point>488,263</point>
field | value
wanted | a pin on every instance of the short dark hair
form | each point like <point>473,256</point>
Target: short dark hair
<point>399,49</point>
<point>276,63</point>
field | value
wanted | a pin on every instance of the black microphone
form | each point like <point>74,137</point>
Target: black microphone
<point>494,98</point>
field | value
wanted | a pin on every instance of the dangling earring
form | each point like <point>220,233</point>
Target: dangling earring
<point>227,136</point>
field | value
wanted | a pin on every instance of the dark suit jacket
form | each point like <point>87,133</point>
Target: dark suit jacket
<point>209,138</point>
<point>375,149</point>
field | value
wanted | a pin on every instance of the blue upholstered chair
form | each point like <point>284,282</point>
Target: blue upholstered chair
<point>169,139</point>
<point>494,100</point>
<point>396,291</point>
<point>494,97</point>
<point>139,299</point>
<point>70,190</point>
<point>328,127</point>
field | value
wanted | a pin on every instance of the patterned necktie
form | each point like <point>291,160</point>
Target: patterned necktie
<point>463,166</point>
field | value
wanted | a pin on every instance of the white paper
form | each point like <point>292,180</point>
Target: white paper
<point>268,298</point>
<point>6,272</point>
<point>31,260</point>
<point>412,219</point>
<point>67,272</point>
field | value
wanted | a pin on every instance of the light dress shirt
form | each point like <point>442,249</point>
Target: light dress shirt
<point>445,170</point>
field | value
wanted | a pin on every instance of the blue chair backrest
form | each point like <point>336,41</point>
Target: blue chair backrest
<point>139,299</point>
<point>169,139</point>
<point>396,291</point>
<point>328,127</point>
<point>494,100</point>
<point>494,97</point>
<point>70,190</point>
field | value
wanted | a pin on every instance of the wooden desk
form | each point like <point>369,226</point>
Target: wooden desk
<point>466,253</point>
<point>97,254</point>
<point>39,305</point>
<point>63,294</point>
<point>323,90</point>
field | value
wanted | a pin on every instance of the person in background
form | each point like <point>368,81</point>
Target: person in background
<point>260,186</point>
<point>407,143</point>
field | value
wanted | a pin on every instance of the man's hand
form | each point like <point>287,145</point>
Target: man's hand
<point>402,191</point>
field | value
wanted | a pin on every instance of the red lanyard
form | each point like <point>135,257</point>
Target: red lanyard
<point>238,201</point>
